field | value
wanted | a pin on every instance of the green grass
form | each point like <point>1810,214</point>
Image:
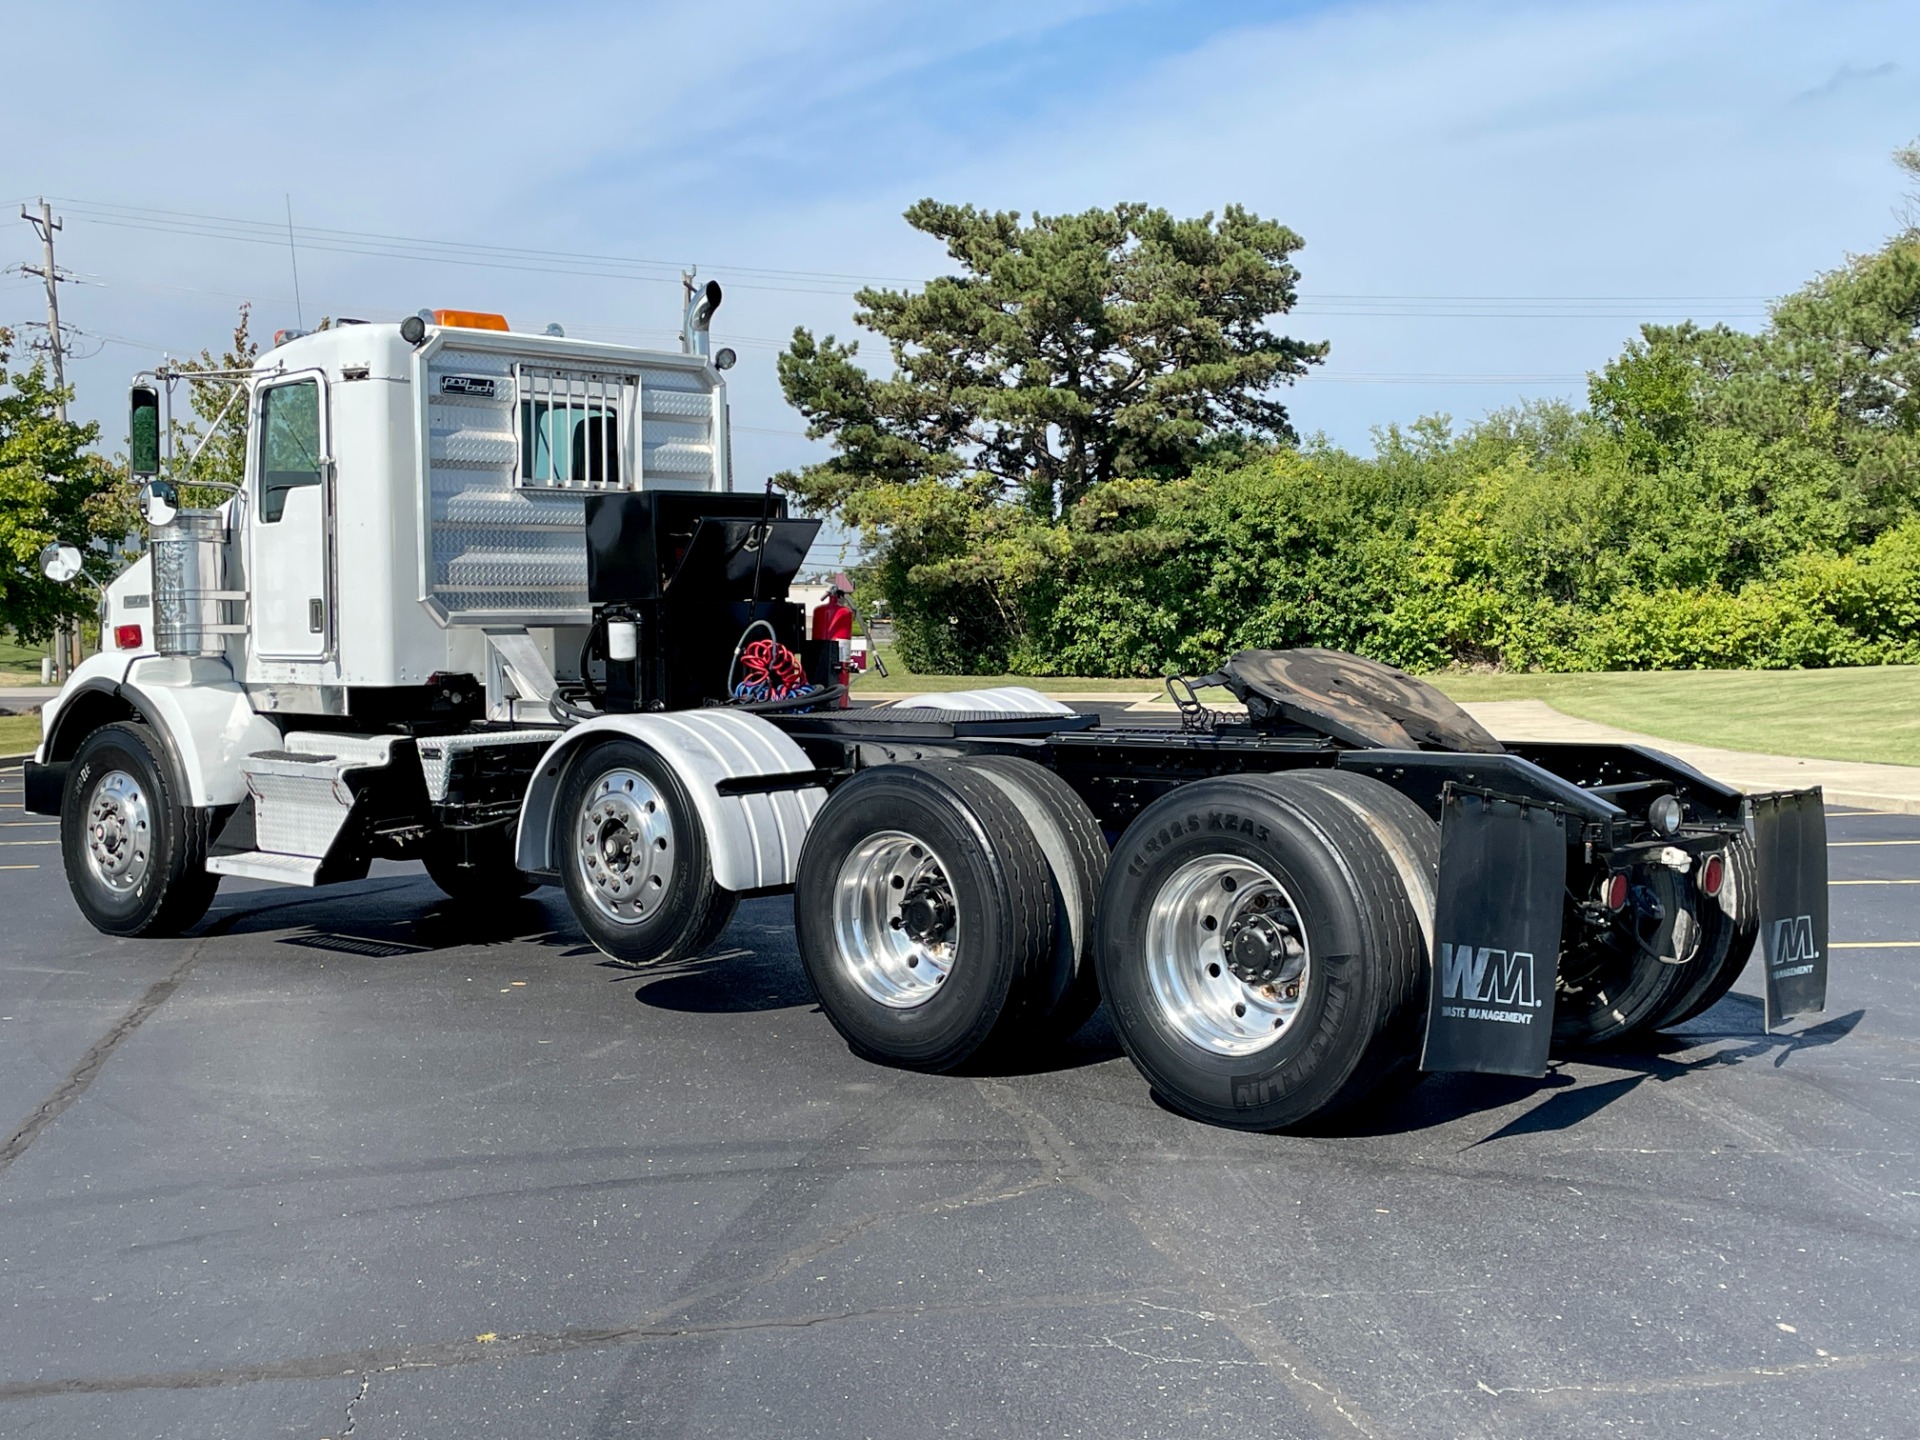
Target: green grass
<point>19,664</point>
<point>1859,714</point>
<point>19,734</point>
<point>1863,714</point>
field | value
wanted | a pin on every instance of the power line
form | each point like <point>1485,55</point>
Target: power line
<point>635,268</point>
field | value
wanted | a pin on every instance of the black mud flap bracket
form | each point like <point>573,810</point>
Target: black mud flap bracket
<point>1789,830</point>
<point>1496,934</point>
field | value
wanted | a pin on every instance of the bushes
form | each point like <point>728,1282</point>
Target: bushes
<point>1533,542</point>
<point>1725,500</point>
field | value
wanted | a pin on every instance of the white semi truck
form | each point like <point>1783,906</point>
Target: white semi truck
<point>488,600</point>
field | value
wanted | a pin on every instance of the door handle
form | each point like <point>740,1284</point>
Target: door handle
<point>316,616</point>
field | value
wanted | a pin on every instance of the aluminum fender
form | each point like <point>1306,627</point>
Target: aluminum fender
<point>1003,700</point>
<point>201,713</point>
<point>753,839</point>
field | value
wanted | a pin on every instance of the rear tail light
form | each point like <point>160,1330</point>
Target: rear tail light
<point>1713,874</point>
<point>1613,892</point>
<point>126,637</point>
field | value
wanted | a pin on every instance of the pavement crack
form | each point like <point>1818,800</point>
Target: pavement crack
<point>76,1081</point>
<point>361,1394</point>
<point>367,1364</point>
<point>1702,1381</point>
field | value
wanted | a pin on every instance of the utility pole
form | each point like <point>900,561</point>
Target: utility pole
<point>45,223</point>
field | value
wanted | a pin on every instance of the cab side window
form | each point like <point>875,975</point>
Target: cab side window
<point>289,444</point>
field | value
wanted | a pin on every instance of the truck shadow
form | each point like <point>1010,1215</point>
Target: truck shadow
<point>1564,1102</point>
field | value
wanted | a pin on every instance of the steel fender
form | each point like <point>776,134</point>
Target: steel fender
<point>96,672</point>
<point>201,713</point>
<point>754,839</point>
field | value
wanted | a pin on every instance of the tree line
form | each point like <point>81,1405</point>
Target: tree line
<point>1079,463</point>
<point>1078,466</point>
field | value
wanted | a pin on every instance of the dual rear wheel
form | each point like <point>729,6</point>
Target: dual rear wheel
<point>944,910</point>
<point>1260,940</point>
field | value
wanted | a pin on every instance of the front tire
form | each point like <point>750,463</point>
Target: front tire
<point>634,858</point>
<point>134,853</point>
<point>1258,951</point>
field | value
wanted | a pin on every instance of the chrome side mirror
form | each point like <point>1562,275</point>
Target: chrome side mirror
<point>59,563</point>
<point>159,503</point>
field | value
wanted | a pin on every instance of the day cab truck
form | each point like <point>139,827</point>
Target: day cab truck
<point>488,600</point>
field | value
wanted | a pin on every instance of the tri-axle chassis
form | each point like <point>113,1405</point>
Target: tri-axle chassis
<point>1287,907</point>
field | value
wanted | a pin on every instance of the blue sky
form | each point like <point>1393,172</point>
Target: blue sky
<point>1492,194</point>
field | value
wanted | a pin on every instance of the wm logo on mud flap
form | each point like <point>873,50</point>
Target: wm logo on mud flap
<point>1496,977</point>
<point>1793,946</point>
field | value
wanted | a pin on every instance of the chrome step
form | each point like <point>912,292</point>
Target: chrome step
<point>258,865</point>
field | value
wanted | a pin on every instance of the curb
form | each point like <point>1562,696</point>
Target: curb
<point>1881,804</point>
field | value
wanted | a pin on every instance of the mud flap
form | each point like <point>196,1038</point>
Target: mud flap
<point>1790,854</point>
<point>1496,933</point>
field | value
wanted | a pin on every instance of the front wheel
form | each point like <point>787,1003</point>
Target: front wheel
<point>634,859</point>
<point>134,853</point>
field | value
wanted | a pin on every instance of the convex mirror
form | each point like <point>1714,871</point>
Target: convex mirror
<point>59,563</point>
<point>159,503</point>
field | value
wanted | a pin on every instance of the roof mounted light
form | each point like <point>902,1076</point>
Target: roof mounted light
<point>413,330</point>
<point>724,358</point>
<point>469,320</point>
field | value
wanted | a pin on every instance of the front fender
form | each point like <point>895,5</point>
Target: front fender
<point>201,713</point>
<point>754,838</point>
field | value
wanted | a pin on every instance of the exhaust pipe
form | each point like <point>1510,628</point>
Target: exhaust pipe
<point>702,301</point>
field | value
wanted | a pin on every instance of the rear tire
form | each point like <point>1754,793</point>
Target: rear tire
<point>1611,985</point>
<point>1067,993</point>
<point>475,867</point>
<point>923,912</point>
<point>634,859</point>
<point>1258,951</point>
<point>1412,838</point>
<point>134,854</point>
<point>1733,918</point>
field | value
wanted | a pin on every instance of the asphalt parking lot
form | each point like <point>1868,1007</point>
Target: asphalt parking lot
<point>352,1162</point>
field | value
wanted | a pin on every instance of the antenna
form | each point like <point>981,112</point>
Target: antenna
<point>294,256</point>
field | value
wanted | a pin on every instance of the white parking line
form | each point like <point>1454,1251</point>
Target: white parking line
<point>1843,844</point>
<point>1873,882</point>
<point>19,867</point>
<point>29,842</point>
<point>1874,945</point>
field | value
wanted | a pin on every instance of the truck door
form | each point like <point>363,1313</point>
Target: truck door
<point>292,501</point>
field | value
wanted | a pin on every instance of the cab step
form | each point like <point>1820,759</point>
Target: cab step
<point>259,865</point>
<point>302,795</point>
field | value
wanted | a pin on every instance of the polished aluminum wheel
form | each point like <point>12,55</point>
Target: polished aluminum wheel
<point>895,926</point>
<point>119,831</point>
<point>624,846</point>
<point>1227,955</point>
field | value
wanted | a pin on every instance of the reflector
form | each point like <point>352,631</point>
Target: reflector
<point>126,637</point>
<point>1713,873</point>
<point>1614,891</point>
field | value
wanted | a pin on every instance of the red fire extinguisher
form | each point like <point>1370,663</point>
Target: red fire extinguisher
<point>833,621</point>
